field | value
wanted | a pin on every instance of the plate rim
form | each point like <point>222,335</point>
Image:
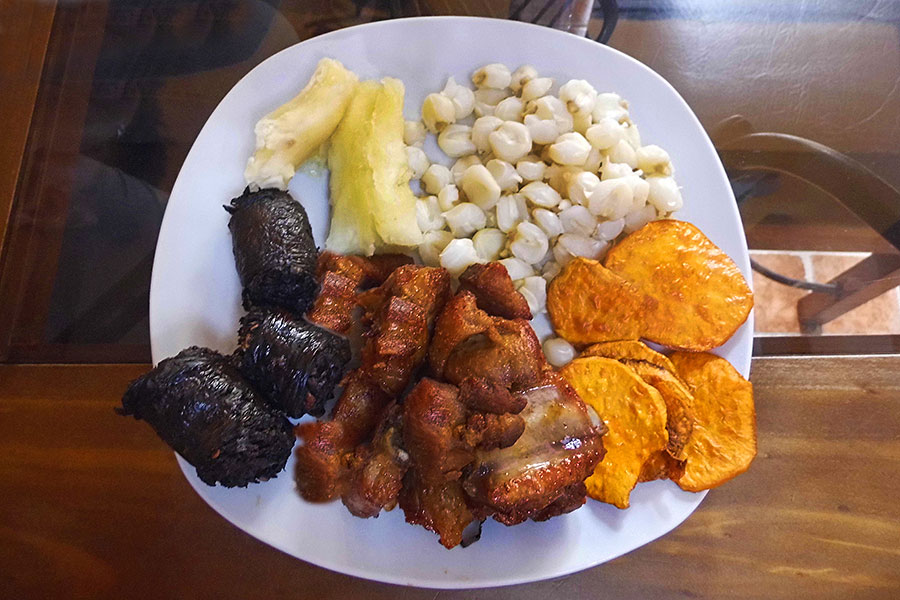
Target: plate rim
<point>419,582</point>
<point>387,577</point>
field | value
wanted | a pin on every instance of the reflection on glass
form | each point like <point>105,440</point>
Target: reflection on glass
<point>126,86</point>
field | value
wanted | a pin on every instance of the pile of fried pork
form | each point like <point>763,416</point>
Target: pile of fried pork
<point>486,428</point>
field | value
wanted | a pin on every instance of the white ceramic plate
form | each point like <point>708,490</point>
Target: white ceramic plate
<point>195,294</point>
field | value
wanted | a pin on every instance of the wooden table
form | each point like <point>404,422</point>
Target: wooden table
<point>94,506</point>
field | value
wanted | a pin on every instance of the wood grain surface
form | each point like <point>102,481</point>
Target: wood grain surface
<point>92,505</point>
<point>32,246</point>
<point>23,43</point>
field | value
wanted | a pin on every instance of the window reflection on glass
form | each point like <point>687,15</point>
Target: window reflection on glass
<point>126,86</point>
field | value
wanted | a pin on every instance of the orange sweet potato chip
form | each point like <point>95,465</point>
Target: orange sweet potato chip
<point>702,297</point>
<point>588,303</point>
<point>661,465</point>
<point>630,350</point>
<point>679,403</point>
<point>656,370</point>
<point>635,416</point>
<point>723,441</point>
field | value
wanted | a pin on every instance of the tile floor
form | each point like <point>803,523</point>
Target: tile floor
<point>776,304</point>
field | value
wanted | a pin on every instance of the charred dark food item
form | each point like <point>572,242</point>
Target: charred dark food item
<point>199,404</point>
<point>274,250</point>
<point>294,364</point>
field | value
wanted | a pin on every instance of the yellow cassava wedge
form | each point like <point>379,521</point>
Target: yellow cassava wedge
<point>293,132</point>
<point>373,207</point>
<point>352,228</point>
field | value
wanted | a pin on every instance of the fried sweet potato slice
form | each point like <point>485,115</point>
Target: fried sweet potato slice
<point>723,442</point>
<point>630,350</point>
<point>661,466</point>
<point>702,297</point>
<point>657,370</point>
<point>588,303</point>
<point>635,415</point>
<point>678,399</point>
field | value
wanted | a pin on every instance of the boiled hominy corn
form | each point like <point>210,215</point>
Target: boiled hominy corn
<point>539,178</point>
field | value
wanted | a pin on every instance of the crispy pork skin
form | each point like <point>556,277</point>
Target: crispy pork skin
<point>558,449</point>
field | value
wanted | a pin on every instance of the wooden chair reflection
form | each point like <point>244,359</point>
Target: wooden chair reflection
<point>871,199</point>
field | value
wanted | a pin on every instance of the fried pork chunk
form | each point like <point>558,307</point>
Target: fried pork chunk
<point>460,320</point>
<point>334,306</point>
<point>469,343</point>
<point>432,496</point>
<point>365,271</point>
<point>494,291</point>
<point>377,469</point>
<point>541,475</point>
<point>399,314</point>
<point>436,433</point>
<point>442,435</point>
<point>500,370</point>
<point>322,465</point>
<point>433,422</point>
<point>493,432</point>
<point>340,279</point>
<point>489,396</point>
<point>438,507</point>
<point>376,269</point>
<point>508,353</point>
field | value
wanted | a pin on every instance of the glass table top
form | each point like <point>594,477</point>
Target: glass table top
<point>105,99</point>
